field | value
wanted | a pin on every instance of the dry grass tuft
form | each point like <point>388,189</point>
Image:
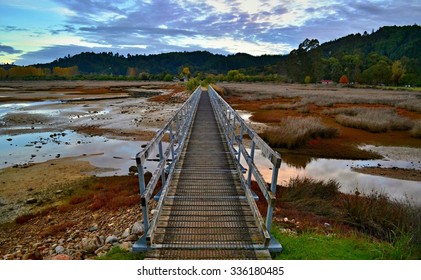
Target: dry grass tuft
<point>373,120</point>
<point>416,129</point>
<point>294,132</point>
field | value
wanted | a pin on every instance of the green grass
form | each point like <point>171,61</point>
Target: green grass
<point>116,253</point>
<point>316,246</point>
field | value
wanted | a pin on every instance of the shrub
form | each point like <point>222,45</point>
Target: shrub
<point>22,219</point>
<point>379,216</point>
<point>294,132</point>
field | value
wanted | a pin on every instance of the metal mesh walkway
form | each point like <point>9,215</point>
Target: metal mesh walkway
<point>205,214</point>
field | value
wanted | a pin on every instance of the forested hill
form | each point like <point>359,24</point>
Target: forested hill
<point>173,62</point>
<point>390,41</point>
<point>390,55</point>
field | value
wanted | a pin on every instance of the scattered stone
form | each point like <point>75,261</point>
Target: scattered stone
<point>132,238</point>
<point>133,169</point>
<point>58,191</point>
<point>137,228</point>
<point>9,139</point>
<point>111,239</point>
<point>62,257</point>
<point>58,156</point>
<point>35,255</point>
<point>59,249</point>
<point>126,246</point>
<point>89,245</point>
<point>31,200</point>
<point>126,233</point>
<point>93,228</point>
<point>327,225</point>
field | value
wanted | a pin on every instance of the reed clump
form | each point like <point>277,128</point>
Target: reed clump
<point>370,119</point>
<point>294,132</point>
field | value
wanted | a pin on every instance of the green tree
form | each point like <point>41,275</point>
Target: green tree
<point>168,78</point>
<point>380,73</point>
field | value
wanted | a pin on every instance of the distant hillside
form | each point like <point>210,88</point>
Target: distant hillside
<point>172,63</point>
<point>391,55</point>
<point>390,41</point>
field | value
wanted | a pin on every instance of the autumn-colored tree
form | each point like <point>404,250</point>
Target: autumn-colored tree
<point>3,73</point>
<point>65,72</point>
<point>397,71</point>
<point>132,72</point>
<point>344,80</point>
<point>186,71</point>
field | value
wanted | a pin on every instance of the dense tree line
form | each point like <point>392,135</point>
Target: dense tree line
<point>391,55</point>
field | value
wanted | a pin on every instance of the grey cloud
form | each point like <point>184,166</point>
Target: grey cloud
<point>8,50</point>
<point>10,28</point>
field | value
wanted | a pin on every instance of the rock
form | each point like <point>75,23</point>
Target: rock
<point>111,239</point>
<point>126,233</point>
<point>133,169</point>
<point>35,255</point>
<point>58,191</point>
<point>31,200</point>
<point>126,246</point>
<point>102,250</point>
<point>89,245</point>
<point>132,238</point>
<point>327,225</point>
<point>93,228</point>
<point>137,228</point>
<point>59,249</point>
<point>61,257</point>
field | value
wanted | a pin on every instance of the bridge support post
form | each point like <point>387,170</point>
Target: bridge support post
<point>141,244</point>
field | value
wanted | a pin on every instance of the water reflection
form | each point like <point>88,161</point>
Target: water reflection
<point>98,150</point>
<point>341,171</point>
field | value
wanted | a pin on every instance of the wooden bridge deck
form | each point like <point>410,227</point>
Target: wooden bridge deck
<point>205,214</point>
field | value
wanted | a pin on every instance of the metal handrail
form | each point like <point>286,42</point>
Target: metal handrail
<point>234,129</point>
<point>177,128</point>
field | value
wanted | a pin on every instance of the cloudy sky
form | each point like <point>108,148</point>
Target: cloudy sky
<point>37,31</point>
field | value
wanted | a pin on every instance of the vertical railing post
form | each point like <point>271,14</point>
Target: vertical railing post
<point>161,159</point>
<point>172,146</point>
<point>250,161</point>
<point>269,215</point>
<point>240,142</point>
<point>142,187</point>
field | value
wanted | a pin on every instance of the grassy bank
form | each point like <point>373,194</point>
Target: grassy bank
<point>359,226</point>
<point>315,246</point>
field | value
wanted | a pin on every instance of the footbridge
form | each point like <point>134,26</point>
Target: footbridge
<point>206,208</point>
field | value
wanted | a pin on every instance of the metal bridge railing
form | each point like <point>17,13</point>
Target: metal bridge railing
<point>235,128</point>
<point>177,128</point>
